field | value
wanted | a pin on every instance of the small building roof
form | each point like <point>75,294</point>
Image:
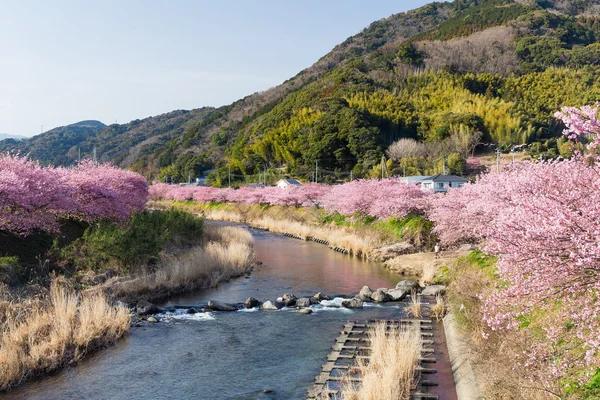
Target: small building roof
<point>446,178</point>
<point>291,181</point>
<point>414,178</point>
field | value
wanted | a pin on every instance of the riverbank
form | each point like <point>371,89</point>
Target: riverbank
<point>44,330</point>
<point>356,236</point>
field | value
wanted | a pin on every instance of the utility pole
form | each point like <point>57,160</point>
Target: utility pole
<point>79,157</point>
<point>498,152</point>
<point>351,176</point>
<point>512,150</point>
<point>317,172</point>
<point>404,171</point>
<point>189,178</point>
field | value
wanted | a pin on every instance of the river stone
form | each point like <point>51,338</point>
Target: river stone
<point>321,296</point>
<point>289,299</point>
<point>397,294</point>
<point>305,311</point>
<point>280,299</point>
<point>352,303</point>
<point>365,291</point>
<point>303,302</point>
<point>251,302</point>
<point>434,290</point>
<point>313,300</point>
<point>192,310</point>
<point>271,305</point>
<point>144,307</point>
<point>363,297</point>
<point>380,296</point>
<point>408,285</point>
<point>152,320</point>
<point>382,289</point>
<point>219,306</point>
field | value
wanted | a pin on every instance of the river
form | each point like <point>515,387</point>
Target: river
<point>236,355</point>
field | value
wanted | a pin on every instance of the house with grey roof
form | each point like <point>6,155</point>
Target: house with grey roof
<point>286,183</point>
<point>437,183</point>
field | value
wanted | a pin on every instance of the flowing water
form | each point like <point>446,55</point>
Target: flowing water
<point>235,355</point>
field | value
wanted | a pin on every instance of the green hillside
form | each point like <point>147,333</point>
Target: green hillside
<point>444,74</point>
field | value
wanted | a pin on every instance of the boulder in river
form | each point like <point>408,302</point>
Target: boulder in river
<point>219,306</point>
<point>303,302</point>
<point>313,300</point>
<point>363,297</point>
<point>192,310</point>
<point>152,320</point>
<point>144,307</point>
<point>380,296</point>
<point>397,294</point>
<point>251,302</point>
<point>305,311</point>
<point>289,299</point>
<point>365,291</point>
<point>352,303</point>
<point>271,305</point>
<point>434,290</point>
<point>408,285</point>
<point>321,296</point>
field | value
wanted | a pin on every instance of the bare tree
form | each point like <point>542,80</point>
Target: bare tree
<point>405,148</point>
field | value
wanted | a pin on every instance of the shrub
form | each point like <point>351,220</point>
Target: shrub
<point>138,242</point>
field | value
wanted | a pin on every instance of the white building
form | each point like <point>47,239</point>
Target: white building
<point>286,183</point>
<point>437,183</point>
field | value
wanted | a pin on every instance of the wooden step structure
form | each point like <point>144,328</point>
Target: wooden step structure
<point>353,343</point>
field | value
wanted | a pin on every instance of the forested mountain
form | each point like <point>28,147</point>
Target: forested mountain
<point>446,74</point>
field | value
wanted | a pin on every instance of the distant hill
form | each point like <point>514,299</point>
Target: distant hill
<point>9,136</point>
<point>498,67</point>
<point>58,146</point>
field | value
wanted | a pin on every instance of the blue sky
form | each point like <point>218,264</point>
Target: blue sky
<point>66,61</point>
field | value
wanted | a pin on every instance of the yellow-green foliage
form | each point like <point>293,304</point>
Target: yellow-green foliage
<point>280,143</point>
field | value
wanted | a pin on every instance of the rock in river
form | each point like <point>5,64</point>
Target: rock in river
<point>145,308</point>
<point>303,302</point>
<point>380,296</point>
<point>321,296</point>
<point>352,303</point>
<point>271,305</point>
<point>218,306</point>
<point>397,294</point>
<point>408,285</point>
<point>152,320</point>
<point>305,311</point>
<point>289,299</point>
<point>251,302</point>
<point>434,290</point>
<point>365,291</point>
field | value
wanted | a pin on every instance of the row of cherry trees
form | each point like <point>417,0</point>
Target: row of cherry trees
<point>378,198</point>
<point>34,197</point>
<point>541,220</point>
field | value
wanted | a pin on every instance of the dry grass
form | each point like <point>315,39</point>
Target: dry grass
<point>227,253</point>
<point>390,372</point>
<point>55,331</point>
<point>429,273</point>
<point>302,224</point>
<point>414,307</point>
<point>439,309</point>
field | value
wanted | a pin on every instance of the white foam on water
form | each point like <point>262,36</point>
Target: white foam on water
<point>254,309</point>
<point>337,302</point>
<point>181,314</point>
